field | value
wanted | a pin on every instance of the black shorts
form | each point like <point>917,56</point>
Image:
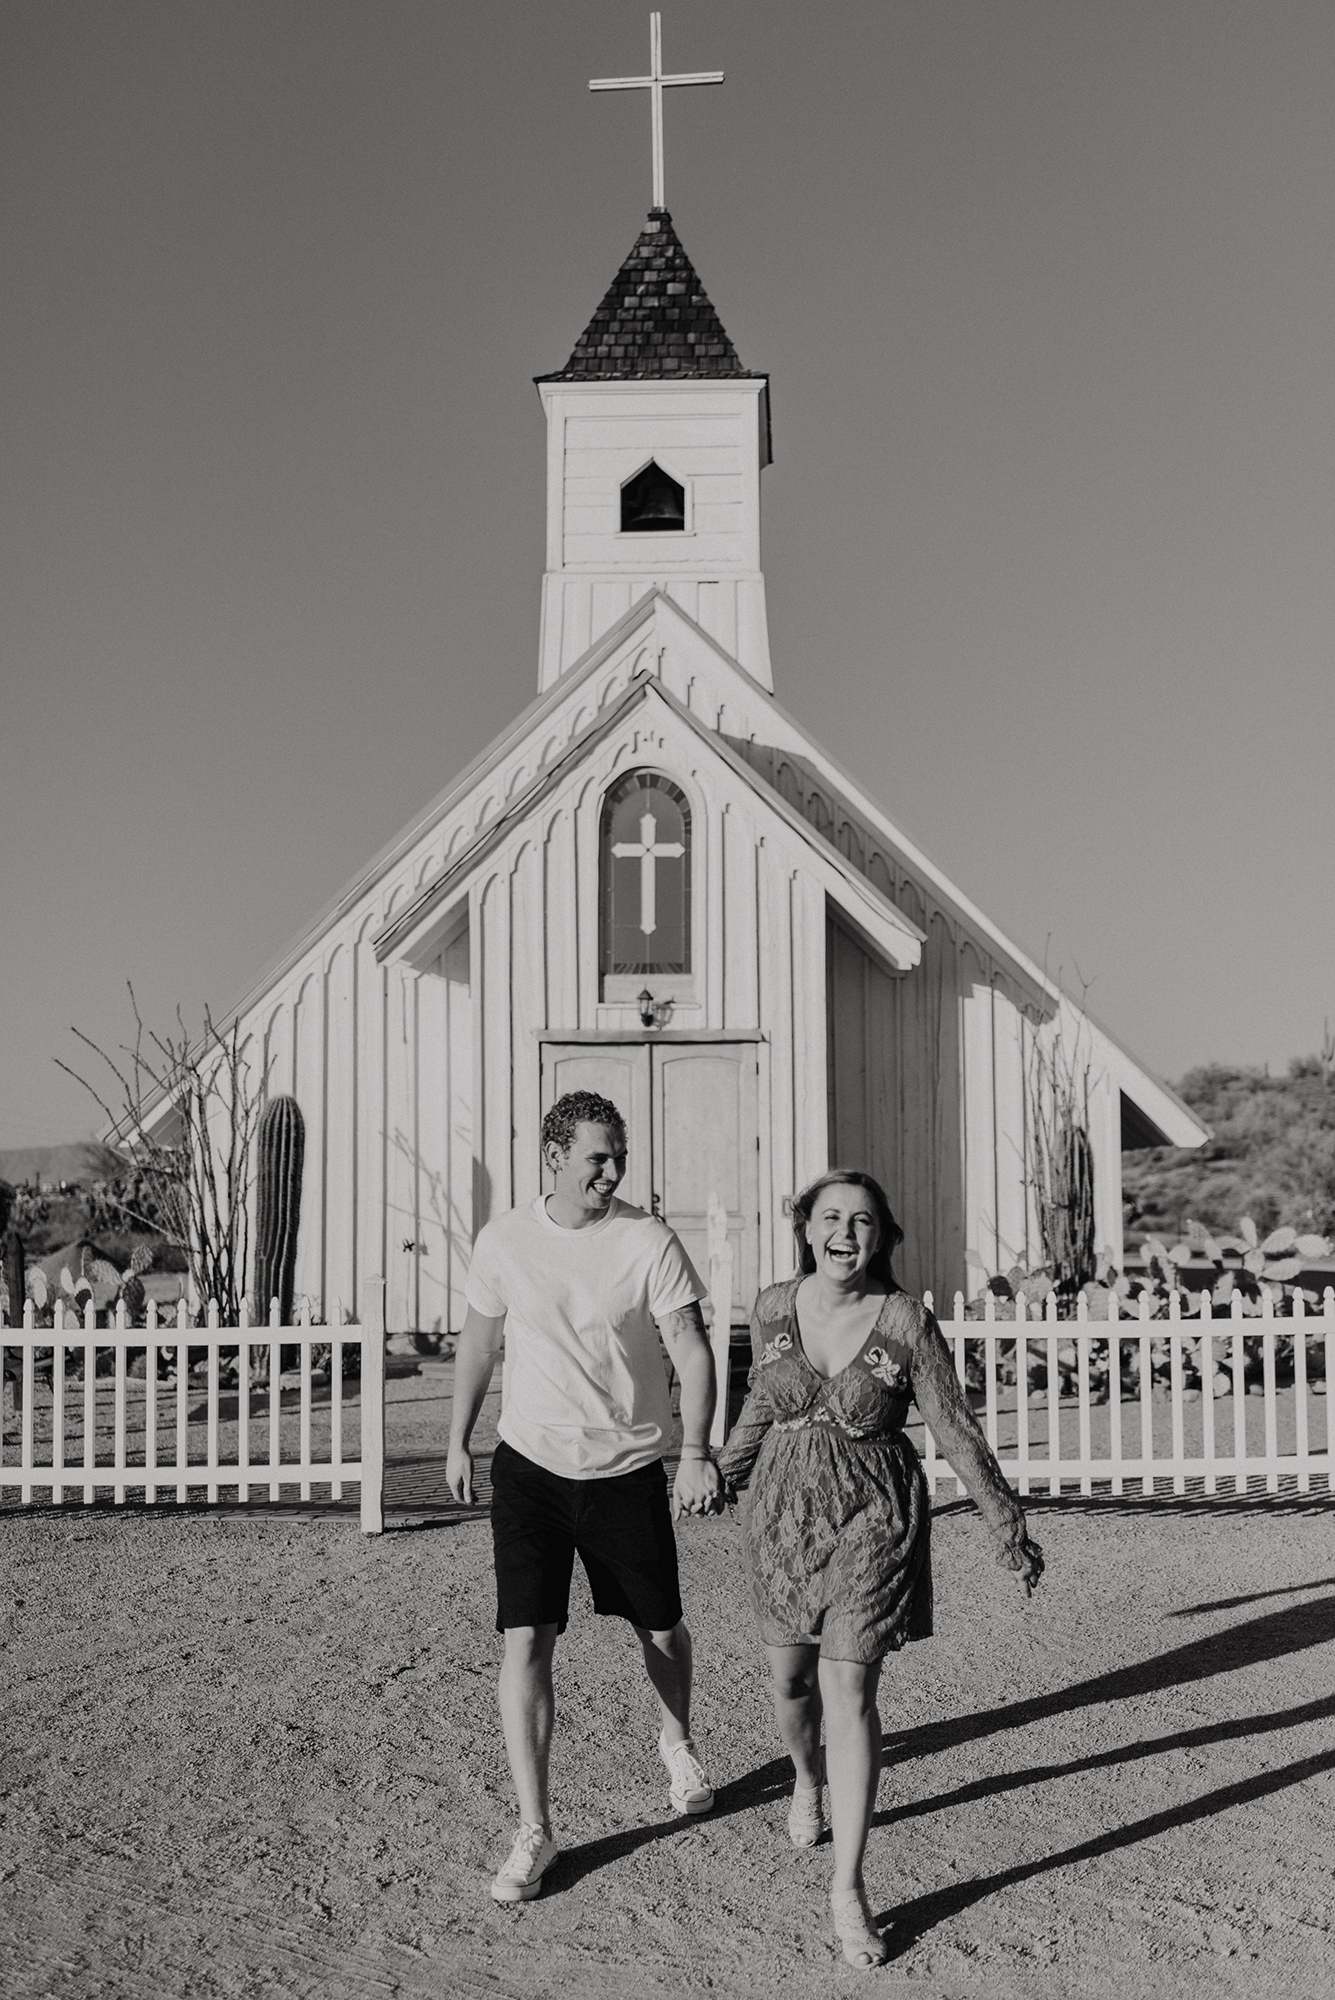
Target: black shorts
<point>621,1528</point>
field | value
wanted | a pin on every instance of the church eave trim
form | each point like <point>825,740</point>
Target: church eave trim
<point>865,903</point>
<point>528,722</point>
<point>396,938</point>
<point>892,933</point>
<point>654,375</point>
<point>1155,1097</point>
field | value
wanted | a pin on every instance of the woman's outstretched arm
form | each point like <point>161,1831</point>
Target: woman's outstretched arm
<point>940,1396</point>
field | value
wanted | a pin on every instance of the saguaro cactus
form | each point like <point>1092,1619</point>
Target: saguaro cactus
<point>15,1274</point>
<point>281,1147</point>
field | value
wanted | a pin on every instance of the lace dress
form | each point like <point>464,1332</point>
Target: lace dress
<point>838,1519</point>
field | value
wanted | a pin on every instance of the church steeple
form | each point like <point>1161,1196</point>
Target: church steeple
<point>656,436</point>
<point>656,320</point>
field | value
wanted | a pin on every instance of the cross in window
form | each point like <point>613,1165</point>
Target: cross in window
<point>648,850</point>
<point>655,83</point>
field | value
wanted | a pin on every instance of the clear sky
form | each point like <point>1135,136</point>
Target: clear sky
<point>1047,296</point>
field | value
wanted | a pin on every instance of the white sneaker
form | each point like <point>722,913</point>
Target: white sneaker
<point>691,1790</point>
<point>531,1856</point>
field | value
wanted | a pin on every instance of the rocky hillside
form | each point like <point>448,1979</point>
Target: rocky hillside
<point>1272,1155</point>
<point>49,1166</point>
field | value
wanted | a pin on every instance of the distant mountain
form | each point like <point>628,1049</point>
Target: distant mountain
<point>1272,1155</point>
<point>50,1165</point>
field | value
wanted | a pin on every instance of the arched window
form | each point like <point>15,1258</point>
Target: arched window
<point>653,503</point>
<point>645,876</point>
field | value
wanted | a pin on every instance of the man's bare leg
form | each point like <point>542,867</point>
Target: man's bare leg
<point>528,1707</point>
<point>667,1659</point>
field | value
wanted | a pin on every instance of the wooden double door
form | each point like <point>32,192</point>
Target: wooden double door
<point>691,1112</point>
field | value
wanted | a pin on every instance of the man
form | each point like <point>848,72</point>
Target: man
<point>578,1286</point>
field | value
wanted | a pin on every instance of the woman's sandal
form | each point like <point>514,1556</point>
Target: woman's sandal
<point>806,1815</point>
<point>863,1944</point>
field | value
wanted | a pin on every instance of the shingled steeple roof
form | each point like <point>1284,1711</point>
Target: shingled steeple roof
<point>656,320</point>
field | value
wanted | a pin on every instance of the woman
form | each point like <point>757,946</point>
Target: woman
<point>838,1518</point>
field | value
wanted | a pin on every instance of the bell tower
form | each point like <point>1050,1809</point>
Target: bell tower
<point>656,437</point>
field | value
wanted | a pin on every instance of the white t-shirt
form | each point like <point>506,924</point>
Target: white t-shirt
<point>583,1390</point>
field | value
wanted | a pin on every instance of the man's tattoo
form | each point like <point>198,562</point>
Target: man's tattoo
<point>687,1319</point>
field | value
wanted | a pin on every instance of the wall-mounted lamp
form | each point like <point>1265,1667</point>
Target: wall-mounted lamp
<point>653,1013</point>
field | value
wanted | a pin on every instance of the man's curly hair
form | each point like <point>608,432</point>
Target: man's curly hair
<point>578,1107</point>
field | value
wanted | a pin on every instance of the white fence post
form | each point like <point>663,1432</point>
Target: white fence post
<point>150,1402</point>
<point>336,1402</point>
<point>89,1402</point>
<point>243,1406</point>
<point>182,1403</point>
<point>29,1388</point>
<point>1330,1381</point>
<point>1115,1389</point>
<point>373,1409</point>
<point>720,1296</point>
<point>57,1405</point>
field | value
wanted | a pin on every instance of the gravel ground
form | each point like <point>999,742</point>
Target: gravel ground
<point>257,1754</point>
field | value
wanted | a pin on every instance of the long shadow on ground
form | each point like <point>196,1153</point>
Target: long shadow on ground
<point>1272,1637</point>
<point>1254,1597</point>
<point>759,1787</point>
<point>911,1921</point>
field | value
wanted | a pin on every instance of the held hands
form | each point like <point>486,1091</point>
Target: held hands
<point>698,1487</point>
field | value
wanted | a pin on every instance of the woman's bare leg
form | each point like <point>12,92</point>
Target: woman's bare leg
<point>852,1760</point>
<point>798,1707</point>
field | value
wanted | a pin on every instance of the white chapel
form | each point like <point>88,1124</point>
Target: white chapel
<point>656,885</point>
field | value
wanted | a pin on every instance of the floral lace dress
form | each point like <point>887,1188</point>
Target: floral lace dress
<point>838,1518</point>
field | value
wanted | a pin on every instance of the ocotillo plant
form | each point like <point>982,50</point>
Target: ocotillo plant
<point>280,1146</point>
<point>1060,1179</point>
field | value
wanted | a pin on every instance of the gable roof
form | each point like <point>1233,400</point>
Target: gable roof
<point>655,321</point>
<point>525,724</point>
<point>889,930</point>
<point>857,895</point>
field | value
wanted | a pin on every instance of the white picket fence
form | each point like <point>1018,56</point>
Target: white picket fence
<point>1047,1441</point>
<point>1224,1441</point>
<point>132,1460</point>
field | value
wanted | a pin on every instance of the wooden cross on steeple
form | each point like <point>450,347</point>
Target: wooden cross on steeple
<point>655,83</point>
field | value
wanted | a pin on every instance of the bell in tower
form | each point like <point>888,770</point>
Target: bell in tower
<point>652,503</point>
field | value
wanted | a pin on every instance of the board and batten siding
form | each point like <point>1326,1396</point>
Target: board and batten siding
<point>379,1059</point>
<point>758,925</point>
<point>894,1084</point>
<point>928,1071</point>
<point>419,1082</point>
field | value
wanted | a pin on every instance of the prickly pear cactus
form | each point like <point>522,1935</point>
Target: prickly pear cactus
<point>281,1147</point>
<point>135,1300</point>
